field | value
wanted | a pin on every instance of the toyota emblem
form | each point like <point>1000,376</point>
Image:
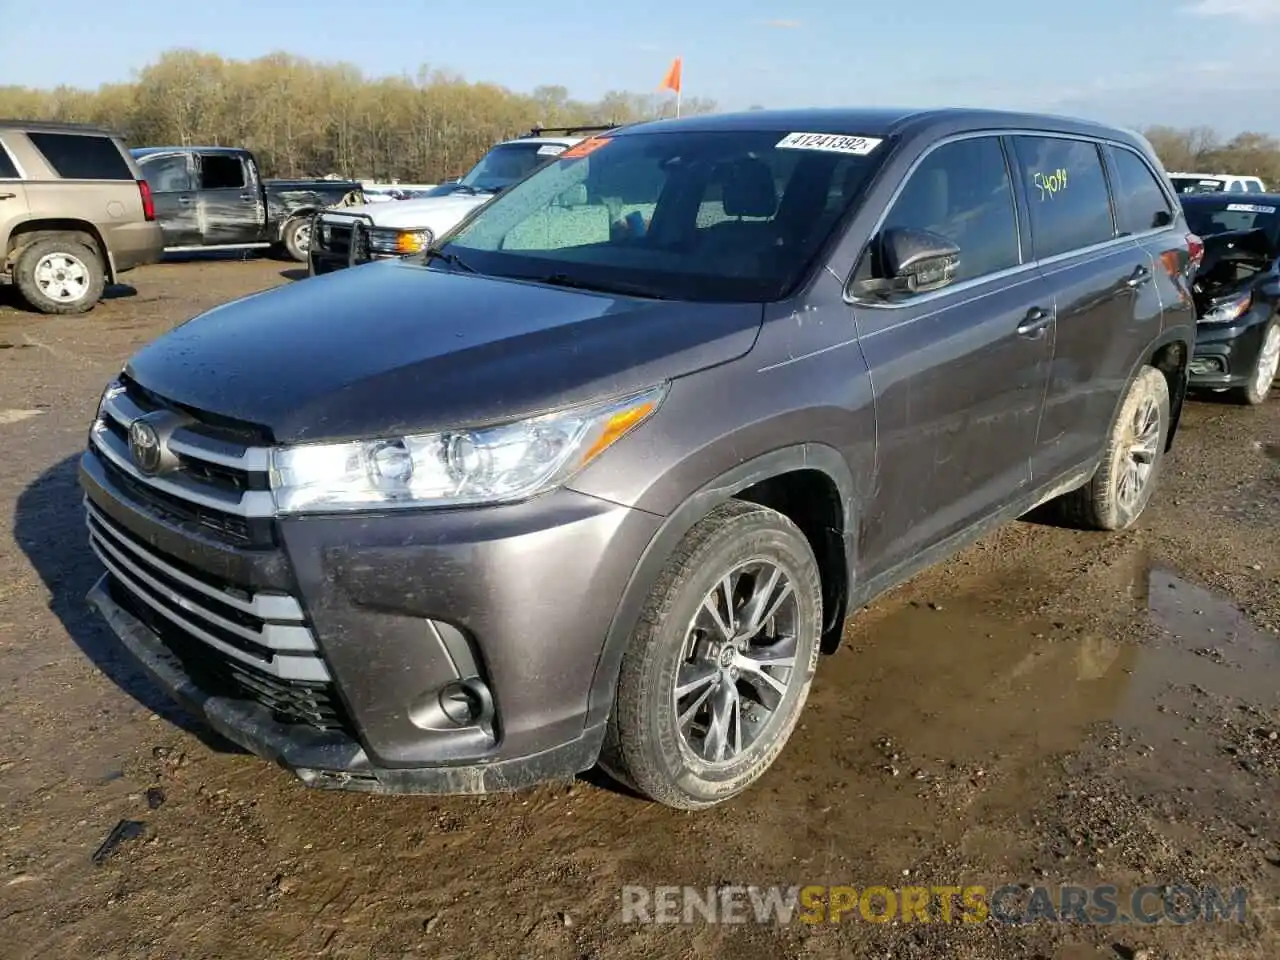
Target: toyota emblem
<point>144,446</point>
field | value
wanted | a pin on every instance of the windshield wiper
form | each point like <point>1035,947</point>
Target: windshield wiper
<point>452,259</point>
<point>573,283</point>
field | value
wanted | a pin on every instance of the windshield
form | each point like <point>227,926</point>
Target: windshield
<point>505,164</point>
<point>1207,218</point>
<point>728,216</point>
<point>1197,184</point>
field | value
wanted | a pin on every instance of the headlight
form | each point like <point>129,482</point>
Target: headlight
<point>1227,310</point>
<point>398,242</point>
<point>486,465</point>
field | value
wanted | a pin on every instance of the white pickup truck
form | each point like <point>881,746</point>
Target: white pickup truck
<point>375,231</point>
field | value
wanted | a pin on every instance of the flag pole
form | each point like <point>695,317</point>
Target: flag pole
<point>680,88</point>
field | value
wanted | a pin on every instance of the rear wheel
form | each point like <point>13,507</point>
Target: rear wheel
<point>60,275</point>
<point>296,238</point>
<point>1264,369</point>
<point>1125,479</point>
<point>721,662</point>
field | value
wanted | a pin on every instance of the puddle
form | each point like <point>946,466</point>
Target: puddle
<point>929,711</point>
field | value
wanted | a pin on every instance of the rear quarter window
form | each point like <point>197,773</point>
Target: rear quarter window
<point>8,169</point>
<point>1141,203</point>
<point>79,157</point>
<point>1066,191</point>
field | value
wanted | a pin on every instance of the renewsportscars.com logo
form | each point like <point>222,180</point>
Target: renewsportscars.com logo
<point>1014,903</point>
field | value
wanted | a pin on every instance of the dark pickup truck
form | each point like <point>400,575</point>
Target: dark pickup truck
<point>213,198</point>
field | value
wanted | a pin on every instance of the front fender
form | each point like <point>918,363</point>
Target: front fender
<point>804,456</point>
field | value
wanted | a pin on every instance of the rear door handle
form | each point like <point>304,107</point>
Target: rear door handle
<point>247,196</point>
<point>1034,323</point>
<point>184,200</point>
<point>7,196</point>
<point>1139,276</point>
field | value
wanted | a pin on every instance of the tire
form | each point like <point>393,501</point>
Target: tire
<point>61,275</point>
<point>296,238</point>
<point>646,746</point>
<point>1137,439</point>
<point>1264,368</point>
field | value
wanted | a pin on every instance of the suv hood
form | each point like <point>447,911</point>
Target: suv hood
<point>395,347</point>
<point>435,213</point>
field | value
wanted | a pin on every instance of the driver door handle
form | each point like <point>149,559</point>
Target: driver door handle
<point>1139,276</point>
<point>1035,322</point>
<point>7,196</point>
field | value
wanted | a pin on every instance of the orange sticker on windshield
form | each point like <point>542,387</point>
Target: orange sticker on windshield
<point>584,147</point>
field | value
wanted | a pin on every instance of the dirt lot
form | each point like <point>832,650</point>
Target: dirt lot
<point>1050,707</point>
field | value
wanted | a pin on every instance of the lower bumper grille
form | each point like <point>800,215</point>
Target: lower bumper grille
<point>230,643</point>
<point>290,701</point>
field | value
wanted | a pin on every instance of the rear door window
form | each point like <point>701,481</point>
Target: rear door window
<point>219,171</point>
<point>962,191</point>
<point>1066,192</point>
<point>76,156</point>
<point>1141,203</point>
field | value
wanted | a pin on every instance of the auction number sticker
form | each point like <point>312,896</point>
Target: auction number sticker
<point>1249,208</point>
<point>829,143</point>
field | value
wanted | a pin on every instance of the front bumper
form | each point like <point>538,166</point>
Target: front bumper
<point>395,609</point>
<point>330,759</point>
<point>1226,354</point>
<point>327,261</point>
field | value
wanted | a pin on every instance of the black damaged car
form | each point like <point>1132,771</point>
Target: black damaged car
<point>1237,293</point>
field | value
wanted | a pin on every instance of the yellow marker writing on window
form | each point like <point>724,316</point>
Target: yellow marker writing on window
<point>1051,184</point>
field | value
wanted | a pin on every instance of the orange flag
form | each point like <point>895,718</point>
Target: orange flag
<point>672,79</point>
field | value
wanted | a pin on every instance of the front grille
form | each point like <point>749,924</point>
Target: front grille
<point>348,237</point>
<point>216,474</point>
<point>230,642</point>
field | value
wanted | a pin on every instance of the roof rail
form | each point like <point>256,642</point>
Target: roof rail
<point>538,131</point>
<point>54,126</point>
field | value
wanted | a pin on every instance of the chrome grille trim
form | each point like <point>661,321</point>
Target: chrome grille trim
<point>266,606</point>
<point>284,666</point>
<point>251,460</point>
<point>288,650</point>
<point>250,503</point>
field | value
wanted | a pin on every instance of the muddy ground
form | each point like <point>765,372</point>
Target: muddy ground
<point>1049,707</point>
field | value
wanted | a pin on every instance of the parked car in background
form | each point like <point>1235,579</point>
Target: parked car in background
<point>377,231</point>
<point>75,214</point>
<point>214,198</point>
<point>1237,293</point>
<point>1216,182</point>
<point>601,474</point>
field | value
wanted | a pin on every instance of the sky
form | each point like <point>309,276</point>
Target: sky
<point>1130,62</point>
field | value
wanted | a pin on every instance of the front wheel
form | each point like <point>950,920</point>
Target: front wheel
<point>1264,369</point>
<point>1125,479</point>
<point>297,238</point>
<point>720,665</point>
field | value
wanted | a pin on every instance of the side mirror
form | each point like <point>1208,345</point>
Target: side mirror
<point>913,261</point>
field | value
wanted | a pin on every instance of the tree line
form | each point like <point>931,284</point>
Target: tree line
<point>1200,150</point>
<point>305,118</point>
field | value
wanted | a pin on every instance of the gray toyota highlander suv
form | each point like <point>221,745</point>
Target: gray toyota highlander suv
<point>597,477</point>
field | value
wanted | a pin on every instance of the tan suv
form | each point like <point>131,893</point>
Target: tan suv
<point>74,214</point>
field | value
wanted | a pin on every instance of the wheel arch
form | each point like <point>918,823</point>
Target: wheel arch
<point>768,480</point>
<point>299,213</point>
<point>26,232</point>
<point>1170,353</point>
